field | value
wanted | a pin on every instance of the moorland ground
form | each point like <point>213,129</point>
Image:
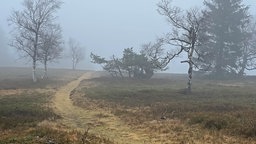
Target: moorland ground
<point>218,111</point>
<point>93,109</point>
<point>26,111</point>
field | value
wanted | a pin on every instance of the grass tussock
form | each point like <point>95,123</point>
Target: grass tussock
<point>215,106</point>
<point>24,110</point>
<point>47,135</point>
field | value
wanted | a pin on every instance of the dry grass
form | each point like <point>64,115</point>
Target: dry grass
<point>100,121</point>
<point>214,113</point>
<point>20,78</point>
<point>126,111</point>
<point>47,135</point>
<point>25,112</point>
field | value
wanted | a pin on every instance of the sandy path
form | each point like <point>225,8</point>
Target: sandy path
<point>78,118</point>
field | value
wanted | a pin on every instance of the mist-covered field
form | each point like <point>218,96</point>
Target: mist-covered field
<point>107,110</point>
<point>137,98</point>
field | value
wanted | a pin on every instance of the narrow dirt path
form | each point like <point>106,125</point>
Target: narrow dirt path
<point>100,122</point>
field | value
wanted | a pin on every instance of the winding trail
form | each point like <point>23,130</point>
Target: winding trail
<point>77,118</point>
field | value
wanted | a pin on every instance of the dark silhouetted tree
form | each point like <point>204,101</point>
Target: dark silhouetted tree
<point>132,65</point>
<point>138,66</point>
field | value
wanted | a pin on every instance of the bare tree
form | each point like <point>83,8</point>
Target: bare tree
<point>76,52</point>
<point>51,46</point>
<point>184,35</point>
<point>28,25</point>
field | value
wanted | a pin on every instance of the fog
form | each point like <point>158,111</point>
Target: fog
<point>3,44</point>
<point>101,27</point>
<point>206,95</point>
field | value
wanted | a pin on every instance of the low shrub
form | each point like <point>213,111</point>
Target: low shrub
<point>215,124</point>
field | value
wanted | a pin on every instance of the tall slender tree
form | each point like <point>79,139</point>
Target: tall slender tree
<point>28,23</point>
<point>184,34</point>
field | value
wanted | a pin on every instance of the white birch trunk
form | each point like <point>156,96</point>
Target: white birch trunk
<point>34,72</point>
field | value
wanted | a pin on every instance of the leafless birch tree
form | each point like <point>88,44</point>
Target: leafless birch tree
<point>76,52</point>
<point>184,34</point>
<point>28,24</point>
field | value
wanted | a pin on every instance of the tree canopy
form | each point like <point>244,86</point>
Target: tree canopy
<point>224,22</point>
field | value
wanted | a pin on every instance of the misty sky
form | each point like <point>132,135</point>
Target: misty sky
<point>104,27</point>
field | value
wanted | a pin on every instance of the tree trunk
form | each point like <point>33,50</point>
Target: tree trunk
<point>241,72</point>
<point>120,72</point>
<point>219,61</point>
<point>45,76</point>
<point>244,63</point>
<point>190,69</point>
<point>35,54</point>
<point>73,64</point>
<point>129,72</point>
<point>34,71</point>
<point>190,61</point>
<point>118,67</point>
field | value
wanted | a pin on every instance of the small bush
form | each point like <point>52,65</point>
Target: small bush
<point>215,124</point>
<point>46,135</point>
<point>245,126</point>
<point>212,122</point>
<point>197,120</point>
